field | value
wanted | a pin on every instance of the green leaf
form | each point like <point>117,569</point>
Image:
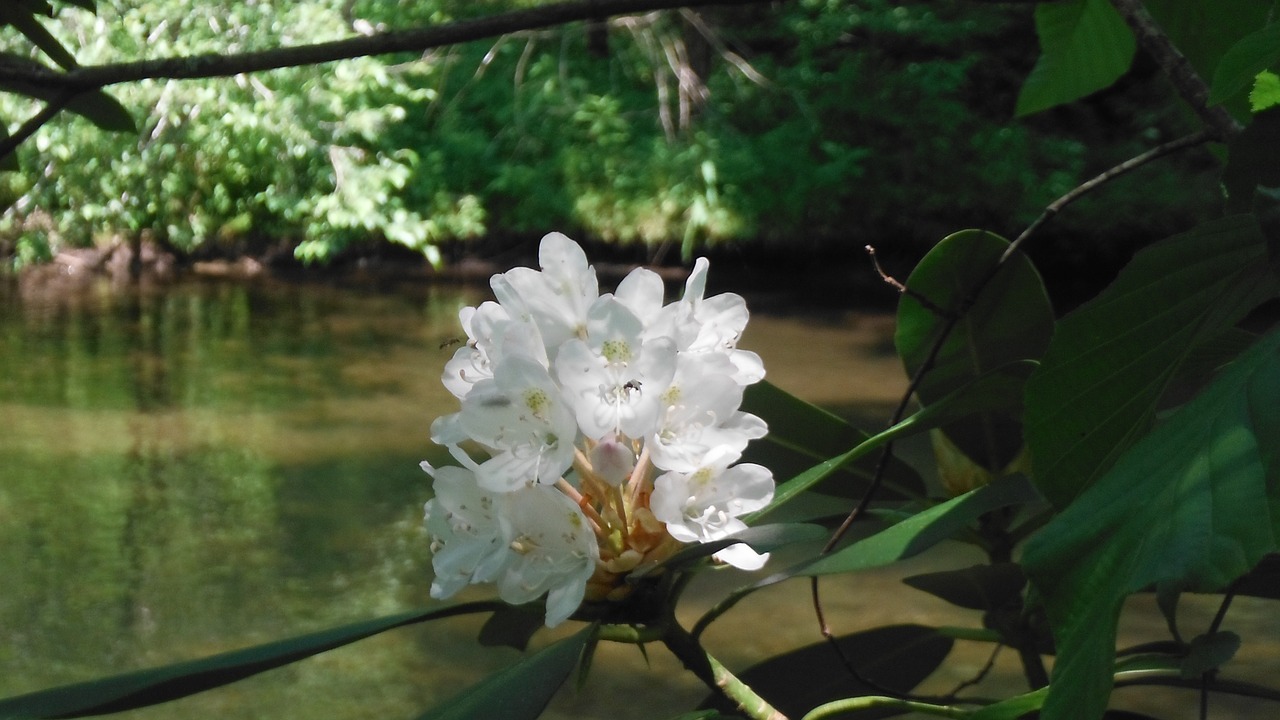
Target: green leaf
<point>1097,388</point>
<point>924,529</point>
<point>801,433</point>
<point>1205,32</point>
<point>1004,317</point>
<point>989,392</point>
<point>1241,64</point>
<point>1193,504</point>
<point>1085,46</point>
<point>102,110</point>
<point>1209,652</point>
<point>897,657</point>
<point>170,682</point>
<point>512,626</point>
<point>980,587</point>
<point>1265,93</point>
<point>519,692</point>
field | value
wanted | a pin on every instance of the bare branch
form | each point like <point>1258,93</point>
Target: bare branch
<point>409,40</point>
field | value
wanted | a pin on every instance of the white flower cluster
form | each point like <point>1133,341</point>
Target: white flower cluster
<point>611,428</point>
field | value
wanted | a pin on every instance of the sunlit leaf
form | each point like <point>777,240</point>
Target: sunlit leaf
<point>923,530</point>
<point>1193,504</point>
<point>170,682</point>
<point>896,657</point>
<point>989,392</point>
<point>801,433</point>
<point>1004,317</point>
<point>1241,64</point>
<point>521,691</point>
<point>1097,388</point>
<point>1085,46</point>
<point>1265,93</point>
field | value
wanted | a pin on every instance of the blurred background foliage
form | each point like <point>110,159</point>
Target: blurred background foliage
<point>817,126</point>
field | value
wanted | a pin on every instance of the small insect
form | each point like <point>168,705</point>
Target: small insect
<point>632,385</point>
<point>497,401</point>
<point>451,342</point>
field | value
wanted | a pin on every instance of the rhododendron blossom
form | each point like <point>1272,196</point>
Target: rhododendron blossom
<point>609,428</point>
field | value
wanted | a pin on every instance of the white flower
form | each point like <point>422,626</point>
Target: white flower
<point>704,505</point>
<point>553,551</point>
<point>611,379</point>
<point>556,300</point>
<point>700,415</point>
<point>519,415</point>
<point>576,401</point>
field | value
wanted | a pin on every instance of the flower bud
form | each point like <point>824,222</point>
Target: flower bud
<point>612,460</point>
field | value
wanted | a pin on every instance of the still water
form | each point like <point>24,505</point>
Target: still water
<point>220,464</point>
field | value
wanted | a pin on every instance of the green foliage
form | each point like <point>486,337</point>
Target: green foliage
<point>1085,47</point>
<point>1110,363</point>
<point>1192,504</point>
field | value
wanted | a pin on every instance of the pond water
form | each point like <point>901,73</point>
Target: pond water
<point>220,464</point>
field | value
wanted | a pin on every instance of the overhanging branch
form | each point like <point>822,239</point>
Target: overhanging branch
<point>395,41</point>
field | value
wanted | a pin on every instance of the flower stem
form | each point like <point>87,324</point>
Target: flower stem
<point>717,677</point>
<point>840,707</point>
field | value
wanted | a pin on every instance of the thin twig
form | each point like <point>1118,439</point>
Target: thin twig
<point>982,674</point>
<point>952,319</point>
<point>9,144</point>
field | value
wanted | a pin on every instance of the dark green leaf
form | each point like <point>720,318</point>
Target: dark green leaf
<point>1205,32</point>
<point>157,685</point>
<point>1209,652</point>
<point>1085,46</point>
<point>1241,64</point>
<point>1253,159</point>
<point>512,626</point>
<point>519,692</point>
<point>1193,504</point>
<point>1097,388</point>
<point>980,587</point>
<point>103,111</point>
<point>8,163</point>
<point>1005,317</point>
<point>801,434</point>
<point>1262,581</point>
<point>989,392</point>
<point>897,657</point>
<point>923,530</point>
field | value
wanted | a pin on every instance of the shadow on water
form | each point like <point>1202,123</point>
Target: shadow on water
<point>221,464</point>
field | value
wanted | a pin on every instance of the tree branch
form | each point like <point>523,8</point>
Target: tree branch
<point>1175,65</point>
<point>409,40</point>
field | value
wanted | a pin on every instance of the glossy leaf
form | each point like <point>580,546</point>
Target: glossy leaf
<point>521,691</point>
<point>980,587</point>
<point>1194,504</point>
<point>924,529</point>
<point>1251,55</point>
<point>989,392</point>
<point>801,433</point>
<point>1005,317</point>
<point>897,657</point>
<point>1097,388</point>
<point>1085,46</point>
<point>170,682</point>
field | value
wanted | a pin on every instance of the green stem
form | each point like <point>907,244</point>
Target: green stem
<point>839,707</point>
<point>717,677</point>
